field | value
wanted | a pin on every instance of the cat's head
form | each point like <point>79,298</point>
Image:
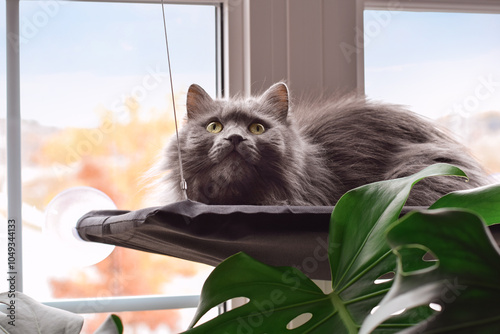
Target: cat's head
<point>234,150</point>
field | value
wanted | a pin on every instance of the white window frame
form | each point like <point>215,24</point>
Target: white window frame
<point>14,180</point>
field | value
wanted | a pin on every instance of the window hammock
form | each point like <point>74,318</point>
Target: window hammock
<point>276,235</point>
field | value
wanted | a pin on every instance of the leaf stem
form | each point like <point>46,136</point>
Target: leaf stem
<point>344,314</point>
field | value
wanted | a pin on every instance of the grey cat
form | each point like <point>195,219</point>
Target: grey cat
<point>262,151</point>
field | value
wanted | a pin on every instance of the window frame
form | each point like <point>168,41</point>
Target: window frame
<point>14,166</point>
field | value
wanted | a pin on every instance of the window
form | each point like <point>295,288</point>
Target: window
<point>443,65</point>
<point>96,111</point>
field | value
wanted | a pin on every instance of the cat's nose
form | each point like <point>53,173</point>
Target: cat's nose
<point>235,139</point>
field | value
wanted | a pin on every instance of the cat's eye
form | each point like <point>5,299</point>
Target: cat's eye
<point>256,128</point>
<point>214,127</point>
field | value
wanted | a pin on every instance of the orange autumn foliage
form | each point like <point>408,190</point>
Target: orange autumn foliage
<point>113,157</point>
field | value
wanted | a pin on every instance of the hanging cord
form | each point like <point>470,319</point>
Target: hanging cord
<point>183,183</point>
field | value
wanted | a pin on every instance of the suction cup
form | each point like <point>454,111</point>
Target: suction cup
<point>64,245</point>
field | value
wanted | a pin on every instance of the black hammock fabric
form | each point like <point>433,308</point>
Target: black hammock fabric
<point>276,235</point>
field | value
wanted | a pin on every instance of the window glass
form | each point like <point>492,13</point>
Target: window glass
<point>96,111</point>
<point>444,66</point>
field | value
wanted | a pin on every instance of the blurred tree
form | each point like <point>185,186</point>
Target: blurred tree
<point>113,157</point>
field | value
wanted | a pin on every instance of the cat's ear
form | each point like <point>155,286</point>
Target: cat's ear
<point>276,99</point>
<point>197,101</point>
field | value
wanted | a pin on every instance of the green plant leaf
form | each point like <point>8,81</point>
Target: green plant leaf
<point>484,201</point>
<point>277,295</point>
<point>464,281</point>
<point>118,323</point>
<point>360,218</point>
<point>358,252</point>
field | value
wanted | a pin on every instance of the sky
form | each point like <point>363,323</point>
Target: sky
<point>437,63</point>
<point>79,57</point>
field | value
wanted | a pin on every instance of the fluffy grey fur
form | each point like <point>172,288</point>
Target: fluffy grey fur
<point>310,154</point>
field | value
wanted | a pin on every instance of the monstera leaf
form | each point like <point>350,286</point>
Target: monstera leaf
<point>277,295</point>
<point>358,253</point>
<point>464,281</point>
<point>484,201</point>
